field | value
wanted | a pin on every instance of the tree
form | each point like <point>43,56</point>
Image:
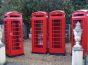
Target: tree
<point>9,5</point>
<point>29,6</point>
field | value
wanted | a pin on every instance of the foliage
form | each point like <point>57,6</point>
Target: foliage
<point>29,6</point>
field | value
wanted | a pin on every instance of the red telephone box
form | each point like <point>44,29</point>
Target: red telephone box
<point>13,33</point>
<point>57,32</point>
<point>82,17</point>
<point>39,32</point>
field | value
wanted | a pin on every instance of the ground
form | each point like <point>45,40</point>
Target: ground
<point>41,59</point>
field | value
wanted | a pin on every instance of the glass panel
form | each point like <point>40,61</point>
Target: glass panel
<point>38,33</point>
<point>56,33</point>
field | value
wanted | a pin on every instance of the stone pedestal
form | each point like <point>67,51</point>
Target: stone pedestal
<point>77,55</point>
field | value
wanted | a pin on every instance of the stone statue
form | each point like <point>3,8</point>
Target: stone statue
<point>77,51</point>
<point>2,48</point>
<point>77,32</point>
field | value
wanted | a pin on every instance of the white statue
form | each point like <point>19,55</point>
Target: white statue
<point>77,32</point>
<point>2,48</point>
<point>77,51</point>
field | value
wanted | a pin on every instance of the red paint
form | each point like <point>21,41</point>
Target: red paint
<point>39,32</point>
<point>57,30</point>
<point>13,31</point>
<point>82,17</point>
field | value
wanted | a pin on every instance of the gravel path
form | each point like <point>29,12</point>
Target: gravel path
<point>41,59</point>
